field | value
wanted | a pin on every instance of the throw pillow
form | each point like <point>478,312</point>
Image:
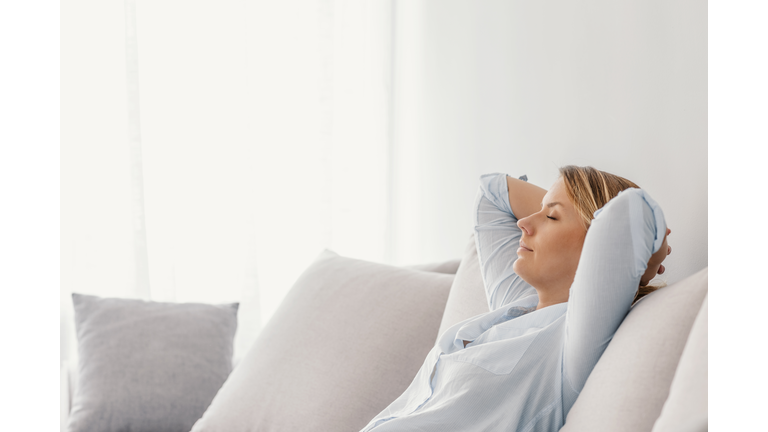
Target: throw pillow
<point>148,366</point>
<point>348,339</point>
<point>467,297</point>
<point>686,406</point>
<point>627,388</point>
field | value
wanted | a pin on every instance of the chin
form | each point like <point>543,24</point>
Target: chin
<point>520,270</point>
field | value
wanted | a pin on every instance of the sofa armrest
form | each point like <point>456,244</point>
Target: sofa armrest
<point>68,388</point>
<point>65,398</point>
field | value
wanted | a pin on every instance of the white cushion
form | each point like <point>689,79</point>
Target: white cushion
<point>345,342</point>
<point>627,388</point>
<point>686,407</point>
<point>467,297</point>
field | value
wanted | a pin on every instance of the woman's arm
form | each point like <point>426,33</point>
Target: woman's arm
<point>524,198</point>
<point>623,236</point>
<point>497,235</point>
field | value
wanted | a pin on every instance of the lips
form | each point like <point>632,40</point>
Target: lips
<point>523,245</point>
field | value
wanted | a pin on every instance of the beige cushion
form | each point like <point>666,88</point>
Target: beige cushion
<point>347,340</point>
<point>686,407</point>
<point>448,267</point>
<point>467,297</point>
<point>628,387</point>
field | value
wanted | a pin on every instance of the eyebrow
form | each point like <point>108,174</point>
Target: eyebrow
<point>552,204</point>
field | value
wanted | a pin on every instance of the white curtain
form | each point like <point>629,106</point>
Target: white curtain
<point>211,150</point>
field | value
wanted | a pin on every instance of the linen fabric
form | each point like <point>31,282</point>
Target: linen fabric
<point>148,366</point>
<point>524,368</point>
<point>686,407</point>
<point>627,389</point>
<point>347,340</point>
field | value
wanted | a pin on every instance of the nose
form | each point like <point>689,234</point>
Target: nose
<point>524,225</point>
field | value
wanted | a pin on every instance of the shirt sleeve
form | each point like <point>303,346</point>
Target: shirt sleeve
<point>497,238</point>
<point>621,239</point>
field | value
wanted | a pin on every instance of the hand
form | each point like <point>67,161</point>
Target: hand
<point>654,264</point>
<point>669,251</point>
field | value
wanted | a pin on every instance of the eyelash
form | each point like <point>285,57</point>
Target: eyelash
<point>551,218</point>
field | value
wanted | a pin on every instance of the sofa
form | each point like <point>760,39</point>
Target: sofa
<point>351,334</point>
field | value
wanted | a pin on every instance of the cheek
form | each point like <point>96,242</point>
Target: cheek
<point>573,248</point>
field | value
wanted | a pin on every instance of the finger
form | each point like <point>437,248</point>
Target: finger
<point>661,269</point>
<point>669,250</point>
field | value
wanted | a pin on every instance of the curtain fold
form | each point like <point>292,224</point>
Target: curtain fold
<point>141,267</point>
<point>258,134</point>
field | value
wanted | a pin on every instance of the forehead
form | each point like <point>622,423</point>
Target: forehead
<point>557,193</point>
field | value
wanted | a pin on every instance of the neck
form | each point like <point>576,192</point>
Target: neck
<point>548,299</point>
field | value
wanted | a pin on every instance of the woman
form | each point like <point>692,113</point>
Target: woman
<point>558,283</point>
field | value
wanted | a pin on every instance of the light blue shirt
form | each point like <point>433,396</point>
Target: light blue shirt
<point>525,368</point>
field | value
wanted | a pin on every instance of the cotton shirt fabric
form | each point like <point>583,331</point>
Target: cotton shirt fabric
<point>524,368</point>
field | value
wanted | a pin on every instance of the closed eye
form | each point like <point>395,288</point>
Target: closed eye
<point>551,217</point>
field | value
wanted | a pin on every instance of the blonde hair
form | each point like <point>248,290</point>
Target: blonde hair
<point>589,189</point>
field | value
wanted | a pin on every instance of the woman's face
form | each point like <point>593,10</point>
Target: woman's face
<point>554,238</point>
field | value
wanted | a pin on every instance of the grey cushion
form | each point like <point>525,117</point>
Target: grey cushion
<point>686,407</point>
<point>467,297</point>
<point>348,339</point>
<point>627,388</point>
<point>148,366</point>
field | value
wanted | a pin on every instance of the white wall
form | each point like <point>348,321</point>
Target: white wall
<point>525,87</point>
<point>491,86</point>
